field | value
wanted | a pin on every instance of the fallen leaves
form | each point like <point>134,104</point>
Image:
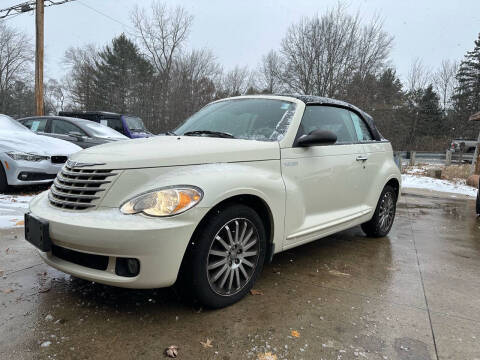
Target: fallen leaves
<point>295,333</point>
<point>267,356</point>
<point>172,351</point>
<point>338,273</point>
<point>207,344</point>
<point>256,292</point>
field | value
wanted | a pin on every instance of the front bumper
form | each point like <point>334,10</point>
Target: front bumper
<point>158,243</point>
<point>40,172</point>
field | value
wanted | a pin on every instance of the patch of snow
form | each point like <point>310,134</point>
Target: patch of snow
<point>424,182</point>
<point>12,208</point>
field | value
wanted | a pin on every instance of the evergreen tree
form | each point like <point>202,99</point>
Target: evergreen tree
<point>429,114</point>
<point>467,94</point>
<point>122,76</point>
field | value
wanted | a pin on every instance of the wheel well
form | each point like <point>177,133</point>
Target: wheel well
<point>395,184</point>
<point>256,203</point>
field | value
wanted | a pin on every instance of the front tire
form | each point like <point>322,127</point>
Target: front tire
<point>3,179</point>
<point>228,256</point>
<point>382,219</point>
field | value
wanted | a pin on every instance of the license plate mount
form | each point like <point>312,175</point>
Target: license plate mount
<point>37,232</point>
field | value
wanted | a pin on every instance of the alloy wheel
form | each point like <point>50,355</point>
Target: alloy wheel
<point>387,211</point>
<point>233,256</point>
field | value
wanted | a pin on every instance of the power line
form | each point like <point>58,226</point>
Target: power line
<point>105,15</point>
<point>28,6</point>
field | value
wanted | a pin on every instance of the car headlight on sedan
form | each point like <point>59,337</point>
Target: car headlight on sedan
<point>19,155</point>
<point>164,202</point>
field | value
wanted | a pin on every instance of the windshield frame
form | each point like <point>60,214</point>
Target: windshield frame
<point>292,112</point>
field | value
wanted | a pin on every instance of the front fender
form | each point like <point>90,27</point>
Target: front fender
<point>219,182</point>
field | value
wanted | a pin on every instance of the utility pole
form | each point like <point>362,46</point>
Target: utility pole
<point>39,23</point>
<point>28,6</point>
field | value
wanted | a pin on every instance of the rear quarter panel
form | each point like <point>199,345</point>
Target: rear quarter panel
<point>381,168</point>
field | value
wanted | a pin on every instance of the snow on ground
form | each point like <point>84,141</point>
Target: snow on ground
<point>12,208</point>
<point>424,182</point>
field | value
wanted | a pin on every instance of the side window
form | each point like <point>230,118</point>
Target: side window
<point>28,124</point>
<point>36,124</point>
<point>64,127</point>
<point>115,124</point>
<point>363,132</point>
<point>334,119</point>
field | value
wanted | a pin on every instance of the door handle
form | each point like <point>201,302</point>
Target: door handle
<point>362,158</point>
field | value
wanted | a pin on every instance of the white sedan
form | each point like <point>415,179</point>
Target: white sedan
<point>27,158</point>
<point>241,180</point>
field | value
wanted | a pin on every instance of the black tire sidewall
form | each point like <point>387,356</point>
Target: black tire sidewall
<point>3,179</point>
<point>372,228</point>
<point>201,287</point>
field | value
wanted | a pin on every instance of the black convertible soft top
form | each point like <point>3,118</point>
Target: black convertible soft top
<point>320,100</point>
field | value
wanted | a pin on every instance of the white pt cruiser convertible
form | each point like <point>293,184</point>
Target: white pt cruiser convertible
<point>240,180</point>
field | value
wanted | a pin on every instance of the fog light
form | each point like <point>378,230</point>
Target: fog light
<point>127,267</point>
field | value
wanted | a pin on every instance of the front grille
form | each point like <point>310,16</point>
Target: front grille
<point>59,159</point>
<point>79,189</point>
<point>98,262</point>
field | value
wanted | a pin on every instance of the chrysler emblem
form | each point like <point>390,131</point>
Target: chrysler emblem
<point>76,164</point>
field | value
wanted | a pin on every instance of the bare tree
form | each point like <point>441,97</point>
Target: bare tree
<point>236,81</point>
<point>55,94</point>
<point>16,56</point>
<point>418,76</point>
<point>162,32</point>
<point>322,54</point>
<point>81,80</point>
<point>444,81</point>
<point>270,71</point>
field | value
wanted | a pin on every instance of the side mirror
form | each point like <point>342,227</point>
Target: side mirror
<point>317,137</point>
<point>76,135</point>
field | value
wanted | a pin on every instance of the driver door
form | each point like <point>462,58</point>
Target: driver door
<point>324,182</point>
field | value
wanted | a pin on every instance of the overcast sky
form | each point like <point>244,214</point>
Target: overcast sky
<point>240,32</point>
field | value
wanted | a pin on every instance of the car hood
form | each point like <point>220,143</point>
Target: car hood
<point>176,150</point>
<point>37,144</point>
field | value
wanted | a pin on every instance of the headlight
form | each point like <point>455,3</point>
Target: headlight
<point>18,155</point>
<point>164,202</point>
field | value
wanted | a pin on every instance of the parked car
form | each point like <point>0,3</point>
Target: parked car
<point>240,180</point>
<point>27,158</point>
<point>84,133</point>
<point>130,126</point>
<point>467,146</point>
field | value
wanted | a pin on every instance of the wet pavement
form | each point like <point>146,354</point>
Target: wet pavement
<point>413,295</point>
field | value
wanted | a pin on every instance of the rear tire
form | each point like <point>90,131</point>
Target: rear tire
<point>382,219</point>
<point>478,202</point>
<point>3,179</point>
<point>227,256</point>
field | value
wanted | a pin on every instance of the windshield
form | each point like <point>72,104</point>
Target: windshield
<point>8,124</point>
<point>103,131</point>
<point>252,119</point>
<point>135,123</point>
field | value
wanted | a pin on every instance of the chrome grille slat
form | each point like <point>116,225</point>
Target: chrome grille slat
<point>79,188</point>
<point>75,188</point>
<point>81,181</point>
<point>69,203</point>
<point>73,196</point>
<point>87,174</point>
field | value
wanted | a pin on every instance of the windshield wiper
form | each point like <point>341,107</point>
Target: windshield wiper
<point>170,133</point>
<point>208,132</point>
